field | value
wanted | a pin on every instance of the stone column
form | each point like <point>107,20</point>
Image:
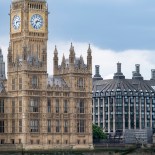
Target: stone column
<point>108,115</point>
<point>114,114</point>
<point>123,116</point>
<point>145,114</point>
<point>129,125</point>
<point>134,112</point>
<point>103,115</point>
<point>150,112</point>
<point>98,111</point>
<point>140,117</point>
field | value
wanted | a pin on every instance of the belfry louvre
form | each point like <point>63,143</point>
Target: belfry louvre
<point>38,111</point>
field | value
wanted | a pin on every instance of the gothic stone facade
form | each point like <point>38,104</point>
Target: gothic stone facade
<point>38,111</point>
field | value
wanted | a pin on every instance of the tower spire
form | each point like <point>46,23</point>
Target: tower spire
<point>55,61</point>
<point>89,58</point>
<point>72,55</point>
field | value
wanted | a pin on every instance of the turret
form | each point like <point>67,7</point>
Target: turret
<point>63,63</point>
<point>9,54</point>
<point>2,66</point>
<point>55,61</point>
<point>89,59</point>
<point>71,55</point>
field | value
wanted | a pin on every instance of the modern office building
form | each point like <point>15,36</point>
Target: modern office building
<point>38,111</point>
<point>120,103</point>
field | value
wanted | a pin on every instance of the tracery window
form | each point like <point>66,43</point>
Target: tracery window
<point>20,83</point>
<point>65,106</point>
<point>57,126</point>
<point>65,126</point>
<point>49,125</point>
<point>48,105</point>
<point>13,84</point>
<point>34,105</point>
<point>34,126</point>
<point>20,125</point>
<point>1,126</point>
<point>1,106</point>
<point>81,126</point>
<point>57,106</point>
<point>34,81</point>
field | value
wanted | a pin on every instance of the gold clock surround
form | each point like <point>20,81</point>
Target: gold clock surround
<point>13,14</point>
<point>42,14</point>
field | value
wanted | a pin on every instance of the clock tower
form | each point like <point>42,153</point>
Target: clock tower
<point>28,28</point>
<point>27,68</point>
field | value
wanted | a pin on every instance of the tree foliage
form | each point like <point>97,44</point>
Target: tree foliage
<point>98,133</point>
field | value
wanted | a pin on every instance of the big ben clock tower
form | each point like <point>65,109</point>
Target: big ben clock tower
<point>28,27</point>
<point>27,69</point>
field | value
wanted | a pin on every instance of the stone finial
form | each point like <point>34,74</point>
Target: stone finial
<point>72,48</point>
<point>55,50</point>
<point>89,49</point>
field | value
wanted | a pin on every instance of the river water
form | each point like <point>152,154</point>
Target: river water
<point>83,153</point>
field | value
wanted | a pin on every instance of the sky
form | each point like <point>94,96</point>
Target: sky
<point>118,31</point>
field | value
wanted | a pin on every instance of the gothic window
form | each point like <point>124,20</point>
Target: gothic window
<point>82,106</point>
<point>20,125</point>
<point>34,81</point>
<point>80,126</point>
<point>34,126</point>
<point>48,105</point>
<point>57,126</point>
<point>1,126</point>
<point>1,106</point>
<point>34,105</point>
<point>81,82</point>
<point>65,126</point>
<point>20,83</point>
<point>13,84</point>
<point>65,106</point>
<point>57,106</point>
<point>2,141</point>
<point>20,105</point>
<point>13,126</point>
<point>48,125</point>
<point>13,106</point>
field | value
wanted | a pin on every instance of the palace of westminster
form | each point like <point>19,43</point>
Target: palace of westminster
<point>38,111</point>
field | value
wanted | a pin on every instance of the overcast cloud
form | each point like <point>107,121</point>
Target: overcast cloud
<point>118,30</point>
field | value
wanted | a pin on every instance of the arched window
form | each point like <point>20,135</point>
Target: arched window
<point>34,81</point>
<point>81,82</point>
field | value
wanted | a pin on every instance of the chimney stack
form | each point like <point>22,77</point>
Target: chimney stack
<point>118,67</point>
<point>97,75</point>
<point>136,74</point>
<point>153,74</point>
<point>119,74</point>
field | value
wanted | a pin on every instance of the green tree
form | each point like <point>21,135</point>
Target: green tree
<point>98,133</point>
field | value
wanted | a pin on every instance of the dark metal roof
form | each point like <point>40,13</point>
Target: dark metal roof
<point>124,85</point>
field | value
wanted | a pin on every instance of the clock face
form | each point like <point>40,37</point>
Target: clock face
<point>16,22</point>
<point>36,21</point>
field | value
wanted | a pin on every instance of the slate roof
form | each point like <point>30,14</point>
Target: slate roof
<point>124,85</point>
